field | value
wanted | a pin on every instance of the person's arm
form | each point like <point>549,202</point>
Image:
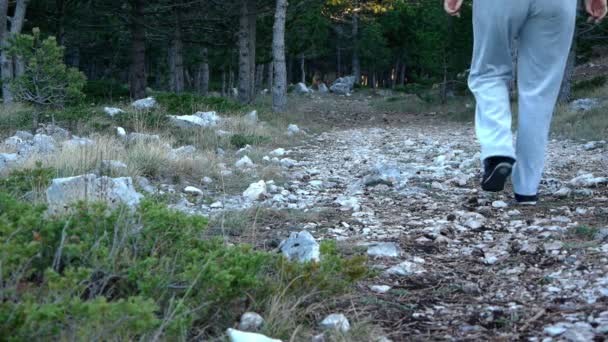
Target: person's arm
<point>453,6</point>
<point>597,9</point>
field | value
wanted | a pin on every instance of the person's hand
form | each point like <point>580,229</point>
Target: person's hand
<point>453,7</point>
<point>597,9</point>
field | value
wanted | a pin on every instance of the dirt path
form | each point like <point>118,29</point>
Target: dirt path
<point>460,264</point>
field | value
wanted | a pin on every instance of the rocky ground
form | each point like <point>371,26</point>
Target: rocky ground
<point>450,262</point>
<point>454,263</point>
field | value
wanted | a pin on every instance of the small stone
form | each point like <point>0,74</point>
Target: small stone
<point>252,117</point>
<point>279,152</point>
<point>580,332</point>
<point>293,129</point>
<point>256,191</point>
<point>216,205</point>
<point>241,336</point>
<point>380,288</point>
<point>144,104</point>
<point>251,321</point>
<point>384,249</point>
<point>406,268</point>
<point>499,204</point>
<point>112,111</point>
<point>120,132</point>
<point>336,322</point>
<point>556,329</point>
<point>288,163</point>
<point>207,180</point>
<point>301,247</point>
<point>244,163</point>
<point>193,191</point>
<point>563,192</point>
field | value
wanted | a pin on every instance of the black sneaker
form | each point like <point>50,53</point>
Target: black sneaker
<point>526,200</point>
<point>496,172</point>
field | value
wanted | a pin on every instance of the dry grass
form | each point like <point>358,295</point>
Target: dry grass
<point>591,125</point>
<point>142,159</point>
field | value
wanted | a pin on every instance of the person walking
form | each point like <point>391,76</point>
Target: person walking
<point>544,29</point>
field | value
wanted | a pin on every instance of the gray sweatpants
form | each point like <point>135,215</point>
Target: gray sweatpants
<point>544,29</point>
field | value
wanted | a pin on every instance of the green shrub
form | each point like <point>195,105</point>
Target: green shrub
<point>46,80</point>
<point>186,104</point>
<point>130,275</point>
<point>21,183</point>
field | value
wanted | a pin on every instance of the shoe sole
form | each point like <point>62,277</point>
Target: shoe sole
<point>527,204</point>
<point>496,181</point>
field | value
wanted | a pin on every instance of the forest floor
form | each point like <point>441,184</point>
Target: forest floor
<point>452,262</point>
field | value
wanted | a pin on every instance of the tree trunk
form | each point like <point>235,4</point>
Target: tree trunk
<point>259,77</point>
<point>290,63</point>
<point>203,83</point>
<point>137,74</point>
<point>303,68</point>
<point>279,84</point>
<point>356,61</point>
<point>5,61</point>
<point>59,21</point>
<point>230,80</point>
<point>402,74</point>
<point>252,13</point>
<point>16,28</point>
<point>270,70</point>
<point>176,56</point>
<point>223,82</point>
<point>244,54</point>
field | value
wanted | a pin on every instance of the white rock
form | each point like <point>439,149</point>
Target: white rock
<point>7,160</point>
<point>207,180</point>
<point>583,105</point>
<point>145,185</point>
<point>349,203</point>
<point>288,163</point>
<point>120,132</point>
<point>244,163</point>
<point>193,191</point>
<point>301,88</point>
<point>336,322</point>
<point>384,249</point>
<point>301,247</point>
<point>44,143</point>
<point>255,191</point>
<point>380,288</point>
<point>188,121</point>
<point>144,104</point>
<point>216,205</point>
<point>251,321</point>
<point>556,329</point>
<point>563,192</point>
<point>111,111</point>
<point>210,119</point>
<point>500,204</point>
<point>588,180</point>
<point>241,336</point>
<point>113,191</point>
<point>580,332</point>
<point>323,88</point>
<point>293,129</point>
<point>279,152</point>
<point>406,268</point>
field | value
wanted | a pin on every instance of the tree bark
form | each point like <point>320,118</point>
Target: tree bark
<point>259,77</point>
<point>204,74</point>
<point>270,71</point>
<point>252,13</point>
<point>356,61</point>
<point>245,81</point>
<point>279,84</point>
<point>137,74</point>
<point>402,74</point>
<point>303,68</point>
<point>176,56</point>
<point>5,61</point>
<point>59,21</point>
